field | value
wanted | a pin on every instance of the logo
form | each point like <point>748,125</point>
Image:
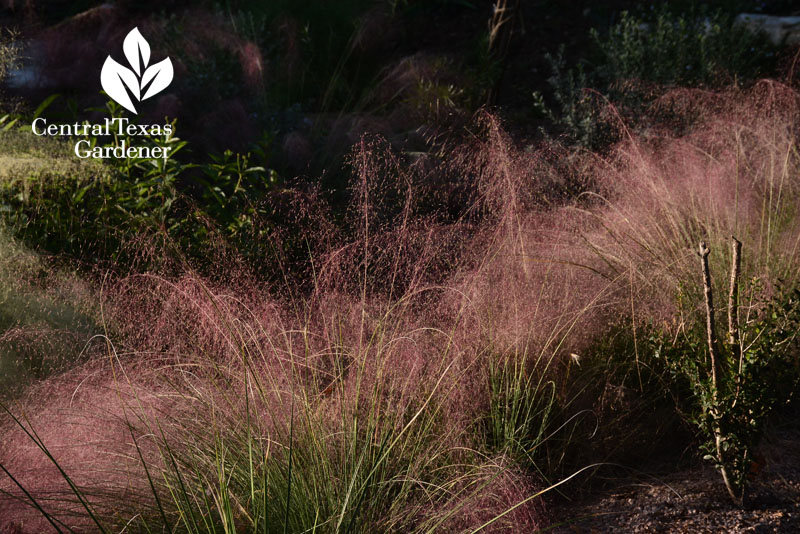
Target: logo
<point>124,85</point>
<point>140,81</point>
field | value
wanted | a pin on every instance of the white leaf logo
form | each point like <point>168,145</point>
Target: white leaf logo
<point>120,82</point>
<point>135,46</point>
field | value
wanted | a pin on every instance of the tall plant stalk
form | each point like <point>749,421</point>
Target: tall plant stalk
<point>735,490</point>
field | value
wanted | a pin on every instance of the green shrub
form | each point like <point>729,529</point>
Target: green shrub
<point>576,109</point>
<point>641,56</point>
<point>91,210</point>
<point>756,374</point>
<point>696,48</point>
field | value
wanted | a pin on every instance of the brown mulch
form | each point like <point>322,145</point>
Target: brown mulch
<point>695,501</point>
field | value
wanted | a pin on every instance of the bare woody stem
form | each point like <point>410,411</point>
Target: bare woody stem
<point>733,304</point>
<point>710,331</point>
<point>736,493</point>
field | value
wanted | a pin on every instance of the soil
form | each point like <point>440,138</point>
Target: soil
<point>695,501</point>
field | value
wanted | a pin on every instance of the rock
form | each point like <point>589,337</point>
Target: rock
<point>779,30</point>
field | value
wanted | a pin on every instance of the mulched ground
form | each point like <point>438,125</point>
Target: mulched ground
<point>695,501</point>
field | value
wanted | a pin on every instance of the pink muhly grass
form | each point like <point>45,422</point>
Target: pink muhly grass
<point>732,174</point>
<point>376,369</point>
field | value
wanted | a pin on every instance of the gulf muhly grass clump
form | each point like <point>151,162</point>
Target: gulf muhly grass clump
<point>434,374</point>
<point>349,422</point>
<point>731,174</point>
<point>351,409</point>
